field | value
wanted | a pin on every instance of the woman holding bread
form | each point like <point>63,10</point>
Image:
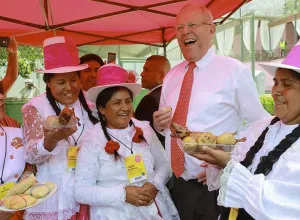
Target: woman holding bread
<point>261,178</point>
<point>51,136</point>
<point>122,168</point>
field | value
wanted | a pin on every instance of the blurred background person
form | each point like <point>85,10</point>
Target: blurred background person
<point>154,71</point>
<point>30,90</point>
<point>88,76</point>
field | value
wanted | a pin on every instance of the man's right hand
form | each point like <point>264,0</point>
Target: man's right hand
<point>162,119</point>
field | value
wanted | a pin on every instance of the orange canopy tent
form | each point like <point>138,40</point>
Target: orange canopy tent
<point>100,22</point>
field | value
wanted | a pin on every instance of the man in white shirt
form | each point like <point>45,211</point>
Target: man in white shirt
<point>222,96</point>
<point>154,71</point>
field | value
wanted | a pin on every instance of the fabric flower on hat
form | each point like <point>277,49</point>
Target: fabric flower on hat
<point>131,77</point>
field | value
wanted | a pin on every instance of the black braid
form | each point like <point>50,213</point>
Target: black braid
<point>52,101</point>
<point>266,162</point>
<point>257,146</point>
<point>103,126</point>
<point>82,100</point>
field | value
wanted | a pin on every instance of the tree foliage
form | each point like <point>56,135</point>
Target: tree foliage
<point>289,7</point>
<point>27,57</point>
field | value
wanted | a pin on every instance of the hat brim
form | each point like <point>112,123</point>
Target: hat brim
<point>93,93</point>
<point>272,67</point>
<point>65,69</point>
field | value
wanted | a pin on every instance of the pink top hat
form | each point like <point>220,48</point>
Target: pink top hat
<point>292,61</point>
<point>111,75</point>
<point>61,56</point>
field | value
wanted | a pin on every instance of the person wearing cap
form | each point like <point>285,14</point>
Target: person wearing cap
<point>88,75</point>
<point>49,149</point>
<point>122,168</point>
<point>260,179</point>
<point>30,90</point>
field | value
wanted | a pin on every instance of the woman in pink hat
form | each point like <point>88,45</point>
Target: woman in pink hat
<point>260,179</point>
<point>122,168</point>
<point>47,149</point>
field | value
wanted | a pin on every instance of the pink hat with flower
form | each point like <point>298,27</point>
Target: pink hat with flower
<point>292,61</point>
<point>112,75</point>
<point>61,56</point>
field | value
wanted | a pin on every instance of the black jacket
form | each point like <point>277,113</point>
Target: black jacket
<point>147,106</point>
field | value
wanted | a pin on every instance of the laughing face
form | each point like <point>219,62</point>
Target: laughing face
<point>286,93</point>
<point>194,32</point>
<point>65,87</point>
<point>118,110</point>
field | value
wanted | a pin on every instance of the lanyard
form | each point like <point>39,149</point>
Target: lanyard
<point>76,141</point>
<point>3,165</point>
<point>131,151</point>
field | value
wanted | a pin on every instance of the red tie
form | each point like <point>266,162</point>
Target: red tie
<point>180,115</point>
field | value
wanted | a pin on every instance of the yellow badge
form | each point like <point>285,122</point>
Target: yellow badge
<point>135,168</point>
<point>234,212</point>
<point>4,188</point>
<point>72,156</point>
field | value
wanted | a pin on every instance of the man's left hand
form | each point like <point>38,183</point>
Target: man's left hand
<point>202,176</point>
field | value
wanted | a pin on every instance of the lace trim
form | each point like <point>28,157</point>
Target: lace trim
<point>213,176</point>
<point>123,198</point>
<point>60,215</point>
<point>224,180</point>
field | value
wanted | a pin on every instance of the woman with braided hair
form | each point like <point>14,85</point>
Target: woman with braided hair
<point>122,168</point>
<point>48,149</point>
<point>261,177</point>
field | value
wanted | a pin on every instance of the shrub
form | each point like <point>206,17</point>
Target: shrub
<point>268,103</point>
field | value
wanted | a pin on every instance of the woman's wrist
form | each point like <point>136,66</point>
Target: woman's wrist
<point>49,145</point>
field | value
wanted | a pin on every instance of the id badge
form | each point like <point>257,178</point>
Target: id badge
<point>72,157</point>
<point>4,189</point>
<point>135,168</point>
<point>234,212</point>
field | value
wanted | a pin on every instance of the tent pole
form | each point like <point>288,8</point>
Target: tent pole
<point>164,42</point>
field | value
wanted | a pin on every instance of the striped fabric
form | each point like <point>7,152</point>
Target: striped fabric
<point>9,122</point>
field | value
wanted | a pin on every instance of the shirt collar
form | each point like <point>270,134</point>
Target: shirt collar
<point>154,88</point>
<point>205,59</point>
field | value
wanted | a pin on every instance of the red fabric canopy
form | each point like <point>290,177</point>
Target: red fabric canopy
<point>99,22</point>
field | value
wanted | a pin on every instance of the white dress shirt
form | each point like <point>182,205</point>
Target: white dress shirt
<point>222,98</point>
<point>275,196</point>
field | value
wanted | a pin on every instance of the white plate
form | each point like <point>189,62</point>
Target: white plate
<point>191,148</point>
<point>38,201</point>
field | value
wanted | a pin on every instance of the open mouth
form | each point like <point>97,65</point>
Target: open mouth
<point>189,42</point>
<point>68,95</point>
<point>279,103</point>
<point>123,115</point>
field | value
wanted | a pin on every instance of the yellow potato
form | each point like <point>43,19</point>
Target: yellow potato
<point>206,138</point>
<point>226,138</point>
